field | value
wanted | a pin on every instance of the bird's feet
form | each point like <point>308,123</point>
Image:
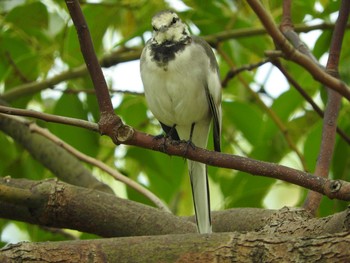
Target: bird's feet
<point>170,134</point>
<point>163,137</point>
<point>189,144</point>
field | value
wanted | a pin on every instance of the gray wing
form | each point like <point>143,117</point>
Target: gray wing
<point>216,120</point>
<point>212,105</point>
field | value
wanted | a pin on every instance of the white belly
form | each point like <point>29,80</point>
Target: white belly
<point>177,95</point>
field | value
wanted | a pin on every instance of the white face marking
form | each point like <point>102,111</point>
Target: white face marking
<point>168,26</point>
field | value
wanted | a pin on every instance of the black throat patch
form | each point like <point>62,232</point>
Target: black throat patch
<point>165,52</point>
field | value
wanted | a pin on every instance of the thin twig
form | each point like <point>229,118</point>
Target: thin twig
<point>277,63</point>
<point>125,54</point>
<point>17,71</point>
<point>92,91</point>
<point>50,118</point>
<point>269,112</point>
<point>252,32</point>
<point>114,173</point>
<point>233,72</point>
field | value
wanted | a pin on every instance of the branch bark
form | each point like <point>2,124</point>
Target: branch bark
<point>223,247</point>
<point>274,117</point>
<point>294,55</point>
<point>332,188</point>
<point>52,203</point>
<point>329,128</point>
<point>56,204</point>
<point>109,121</point>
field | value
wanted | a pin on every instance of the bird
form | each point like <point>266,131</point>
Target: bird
<point>182,88</point>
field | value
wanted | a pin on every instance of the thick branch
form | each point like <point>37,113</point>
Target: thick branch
<point>223,247</point>
<point>40,202</point>
<point>56,204</point>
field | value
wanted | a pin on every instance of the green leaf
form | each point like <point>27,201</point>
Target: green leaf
<point>312,145</point>
<point>246,190</point>
<point>25,166</point>
<point>133,110</point>
<point>164,173</point>
<point>331,206</point>
<point>19,62</point>
<point>29,16</point>
<point>322,44</point>
<point>82,139</point>
<point>287,103</point>
<point>105,14</point>
<point>7,153</point>
<point>247,118</point>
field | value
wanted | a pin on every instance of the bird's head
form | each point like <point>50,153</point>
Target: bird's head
<point>168,27</point>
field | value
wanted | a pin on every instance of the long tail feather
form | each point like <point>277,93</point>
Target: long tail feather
<point>200,193</point>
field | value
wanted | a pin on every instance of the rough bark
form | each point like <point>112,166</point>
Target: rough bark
<point>222,247</point>
<point>57,204</point>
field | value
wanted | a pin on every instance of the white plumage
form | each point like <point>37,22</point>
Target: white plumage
<point>183,90</point>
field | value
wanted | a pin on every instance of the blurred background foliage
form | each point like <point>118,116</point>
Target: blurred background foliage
<point>38,41</point>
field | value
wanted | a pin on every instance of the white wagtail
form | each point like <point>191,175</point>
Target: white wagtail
<point>182,88</point>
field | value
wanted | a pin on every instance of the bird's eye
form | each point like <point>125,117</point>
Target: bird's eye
<point>154,28</point>
<point>175,19</point>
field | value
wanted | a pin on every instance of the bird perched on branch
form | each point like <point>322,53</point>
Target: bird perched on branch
<point>183,91</point>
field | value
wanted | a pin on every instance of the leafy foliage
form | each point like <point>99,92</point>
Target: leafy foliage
<point>38,41</point>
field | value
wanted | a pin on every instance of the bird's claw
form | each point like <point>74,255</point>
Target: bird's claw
<point>163,145</point>
<point>189,143</point>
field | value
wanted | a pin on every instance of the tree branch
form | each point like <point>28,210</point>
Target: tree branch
<point>91,61</point>
<point>50,118</point>
<point>109,60</point>
<point>112,172</point>
<point>332,188</point>
<point>126,54</point>
<point>55,204</point>
<point>235,71</point>
<point>325,156</point>
<point>222,247</point>
<point>277,63</point>
<point>62,164</point>
<point>294,55</point>
<point>109,121</point>
<point>278,122</point>
<point>40,202</point>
